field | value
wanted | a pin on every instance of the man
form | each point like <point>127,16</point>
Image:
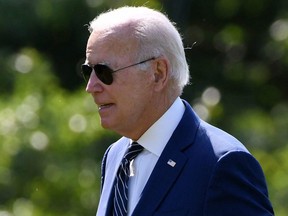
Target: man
<point>136,70</point>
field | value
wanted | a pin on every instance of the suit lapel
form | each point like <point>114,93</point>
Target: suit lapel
<point>114,157</point>
<point>159,183</point>
<point>169,165</point>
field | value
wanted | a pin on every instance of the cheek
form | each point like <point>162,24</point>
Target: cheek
<point>131,104</point>
<point>134,90</point>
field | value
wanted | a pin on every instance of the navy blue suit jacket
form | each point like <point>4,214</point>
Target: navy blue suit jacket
<point>214,175</point>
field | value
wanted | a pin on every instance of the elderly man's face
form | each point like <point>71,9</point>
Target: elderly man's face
<point>125,106</point>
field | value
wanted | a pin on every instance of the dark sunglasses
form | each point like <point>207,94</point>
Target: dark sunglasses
<point>104,72</point>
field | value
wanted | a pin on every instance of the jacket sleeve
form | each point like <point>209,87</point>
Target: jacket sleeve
<point>237,187</point>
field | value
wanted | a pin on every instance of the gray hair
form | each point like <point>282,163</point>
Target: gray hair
<point>157,36</point>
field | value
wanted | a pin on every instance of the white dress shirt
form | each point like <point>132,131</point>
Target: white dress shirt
<point>154,141</point>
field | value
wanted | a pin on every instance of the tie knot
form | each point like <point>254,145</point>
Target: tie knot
<point>133,151</point>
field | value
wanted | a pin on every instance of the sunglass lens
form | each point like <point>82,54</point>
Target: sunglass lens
<point>86,72</point>
<point>104,73</point>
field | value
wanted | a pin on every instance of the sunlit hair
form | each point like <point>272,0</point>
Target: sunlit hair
<point>156,34</point>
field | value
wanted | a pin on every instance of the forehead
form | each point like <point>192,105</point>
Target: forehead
<point>102,44</point>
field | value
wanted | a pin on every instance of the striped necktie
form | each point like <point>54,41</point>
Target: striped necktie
<point>121,182</point>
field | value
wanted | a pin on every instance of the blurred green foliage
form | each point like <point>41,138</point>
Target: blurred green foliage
<point>51,143</point>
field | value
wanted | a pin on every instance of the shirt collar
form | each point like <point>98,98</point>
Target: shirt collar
<point>156,137</point>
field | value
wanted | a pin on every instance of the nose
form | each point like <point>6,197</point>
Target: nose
<point>94,84</point>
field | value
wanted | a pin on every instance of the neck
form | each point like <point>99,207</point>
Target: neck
<point>147,121</point>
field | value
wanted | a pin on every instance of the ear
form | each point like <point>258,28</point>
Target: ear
<point>161,73</point>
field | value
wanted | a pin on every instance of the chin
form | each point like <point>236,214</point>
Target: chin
<point>107,124</point>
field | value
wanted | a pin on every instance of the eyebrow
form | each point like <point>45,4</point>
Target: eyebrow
<point>100,62</point>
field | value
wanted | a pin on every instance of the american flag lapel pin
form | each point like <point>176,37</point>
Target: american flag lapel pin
<point>171,163</point>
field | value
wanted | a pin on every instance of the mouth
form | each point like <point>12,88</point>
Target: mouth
<point>104,106</point>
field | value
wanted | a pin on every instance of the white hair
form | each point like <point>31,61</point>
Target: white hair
<point>156,34</point>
